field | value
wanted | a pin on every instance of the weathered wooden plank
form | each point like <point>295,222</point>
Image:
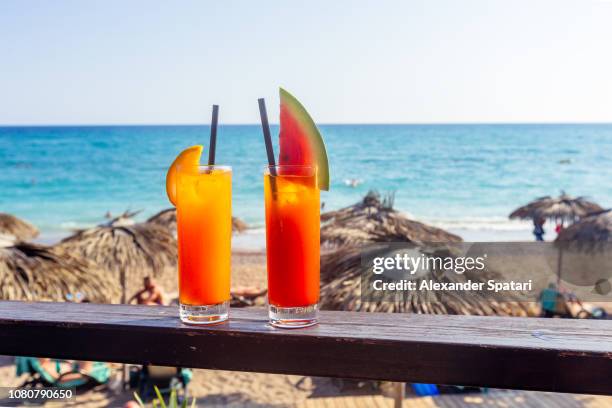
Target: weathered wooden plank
<point>533,354</point>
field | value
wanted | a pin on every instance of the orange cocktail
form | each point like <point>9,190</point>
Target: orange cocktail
<point>204,226</point>
<point>293,244</point>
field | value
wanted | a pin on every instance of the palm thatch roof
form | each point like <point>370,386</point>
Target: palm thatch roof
<point>374,220</point>
<point>341,274</point>
<point>36,273</point>
<point>590,232</point>
<point>563,207</point>
<point>20,229</point>
<point>167,219</point>
<point>122,246</point>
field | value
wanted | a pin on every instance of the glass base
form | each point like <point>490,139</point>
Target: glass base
<point>204,314</point>
<point>293,317</point>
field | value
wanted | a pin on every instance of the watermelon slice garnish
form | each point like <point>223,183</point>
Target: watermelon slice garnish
<point>300,141</point>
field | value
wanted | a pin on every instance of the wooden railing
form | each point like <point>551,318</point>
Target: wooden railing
<point>516,353</point>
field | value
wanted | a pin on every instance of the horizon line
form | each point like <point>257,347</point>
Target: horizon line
<point>467,123</point>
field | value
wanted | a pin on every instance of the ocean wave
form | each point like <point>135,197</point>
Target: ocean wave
<point>482,224</point>
<point>469,223</point>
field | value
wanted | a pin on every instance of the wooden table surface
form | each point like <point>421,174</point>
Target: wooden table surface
<point>558,355</point>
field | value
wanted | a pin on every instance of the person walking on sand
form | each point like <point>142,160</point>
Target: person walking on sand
<point>151,294</point>
<point>538,228</point>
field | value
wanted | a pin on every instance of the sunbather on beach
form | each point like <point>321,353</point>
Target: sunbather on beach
<point>151,294</point>
<point>552,302</point>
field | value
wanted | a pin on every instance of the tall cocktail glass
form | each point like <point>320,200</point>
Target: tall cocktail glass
<point>204,226</point>
<point>292,244</point>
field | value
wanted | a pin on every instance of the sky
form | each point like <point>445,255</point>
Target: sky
<point>348,61</point>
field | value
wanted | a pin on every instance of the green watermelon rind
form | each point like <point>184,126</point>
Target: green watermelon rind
<point>314,136</point>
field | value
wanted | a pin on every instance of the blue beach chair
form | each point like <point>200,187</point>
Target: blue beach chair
<point>39,376</point>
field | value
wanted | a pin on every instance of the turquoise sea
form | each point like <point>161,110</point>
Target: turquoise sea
<point>466,178</point>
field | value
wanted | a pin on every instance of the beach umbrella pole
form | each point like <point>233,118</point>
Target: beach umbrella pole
<point>399,390</point>
<point>559,263</point>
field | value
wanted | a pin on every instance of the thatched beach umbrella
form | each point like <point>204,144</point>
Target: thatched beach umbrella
<point>564,207</point>
<point>590,235</point>
<point>167,219</point>
<point>374,220</point>
<point>36,273</point>
<point>20,229</point>
<point>343,291</point>
<point>128,251</point>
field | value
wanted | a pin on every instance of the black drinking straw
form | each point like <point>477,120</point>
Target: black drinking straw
<point>265,127</point>
<point>213,135</point>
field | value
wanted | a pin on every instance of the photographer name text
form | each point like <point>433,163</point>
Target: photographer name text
<point>431,285</point>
